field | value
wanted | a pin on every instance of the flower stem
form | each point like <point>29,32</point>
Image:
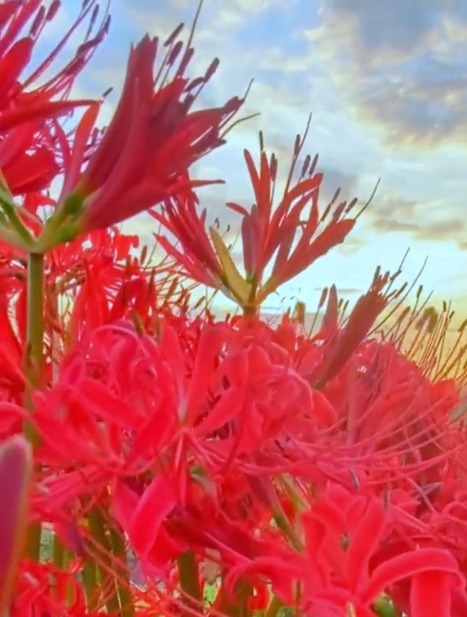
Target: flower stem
<point>274,607</point>
<point>35,327</point>
<point>122,580</point>
<point>236,606</point>
<point>250,311</point>
<point>89,574</point>
<point>103,573</point>
<point>34,361</point>
<point>58,552</point>
<point>113,573</point>
<point>188,575</point>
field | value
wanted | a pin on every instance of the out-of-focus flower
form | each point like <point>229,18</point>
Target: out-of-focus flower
<point>15,472</point>
<point>44,589</point>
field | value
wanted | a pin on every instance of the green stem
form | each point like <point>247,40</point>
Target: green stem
<point>189,579</point>
<point>33,546</point>
<point>90,582</point>
<point>250,311</point>
<point>110,575</point>
<point>238,605</point>
<point>283,524</point>
<point>58,552</point>
<point>34,364</point>
<point>98,530</point>
<point>122,581</point>
<point>35,319</point>
<point>274,607</point>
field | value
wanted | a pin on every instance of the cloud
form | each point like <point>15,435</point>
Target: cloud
<point>335,178</point>
<point>418,220</point>
<point>398,30</point>
<point>402,65</point>
<point>384,224</point>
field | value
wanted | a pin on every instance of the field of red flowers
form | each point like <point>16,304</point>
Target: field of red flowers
<point>157,461</point>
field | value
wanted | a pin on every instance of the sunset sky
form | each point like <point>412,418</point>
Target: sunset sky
<point>387,85</point>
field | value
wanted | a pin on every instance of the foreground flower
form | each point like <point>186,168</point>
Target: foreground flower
<point>146,152</point>
<point>15,470</point>
<point>344,533</point>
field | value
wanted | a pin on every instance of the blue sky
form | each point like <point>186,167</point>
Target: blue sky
<point>387,85</point>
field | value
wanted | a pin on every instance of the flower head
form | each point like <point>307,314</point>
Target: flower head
<point>152,140</point>
<point>278,242</point>
<point>28,160</point>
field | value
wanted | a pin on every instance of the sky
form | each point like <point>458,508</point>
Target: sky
<point>386,83</point>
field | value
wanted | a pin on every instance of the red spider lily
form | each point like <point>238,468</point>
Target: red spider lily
<point>15,471</point>
<point>388,422</point>
<point>196,255</point>
<point>342,342</point>
<point>244,548</point>
<point>181,460</point>
<point>343,534</point>
<point>324,471</point>
<point>27,101</point>
<point>181,401</point>
<point>388,419</point>
<point>44,589</point>
<point>266,232</point>
<point>47,590</point>
<point>90,282</point>
<point>27,145</point>
<point>149,145</point>
<point>104,284</point>
<point>121,421</point>
<point>21,149</point>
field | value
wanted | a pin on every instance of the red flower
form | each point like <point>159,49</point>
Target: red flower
<point>28,159</point>
<point>295,236</point>
<point>289,237</point>
<point>44,589</point>
<point>344,533</point>
<point>152,140</point>
<point>196,255</point>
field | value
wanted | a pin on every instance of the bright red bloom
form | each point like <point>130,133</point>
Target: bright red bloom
<point>89,282</point>
<point>44,589</point>
<point>195,253</point>
<point>152,140</point>
<point>28,159</point>
<point>294,234</point>
<point>323,470</point>
<point>344,533</point>
<point>175,436</point>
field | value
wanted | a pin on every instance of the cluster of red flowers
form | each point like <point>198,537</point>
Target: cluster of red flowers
<point>156,461</point>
